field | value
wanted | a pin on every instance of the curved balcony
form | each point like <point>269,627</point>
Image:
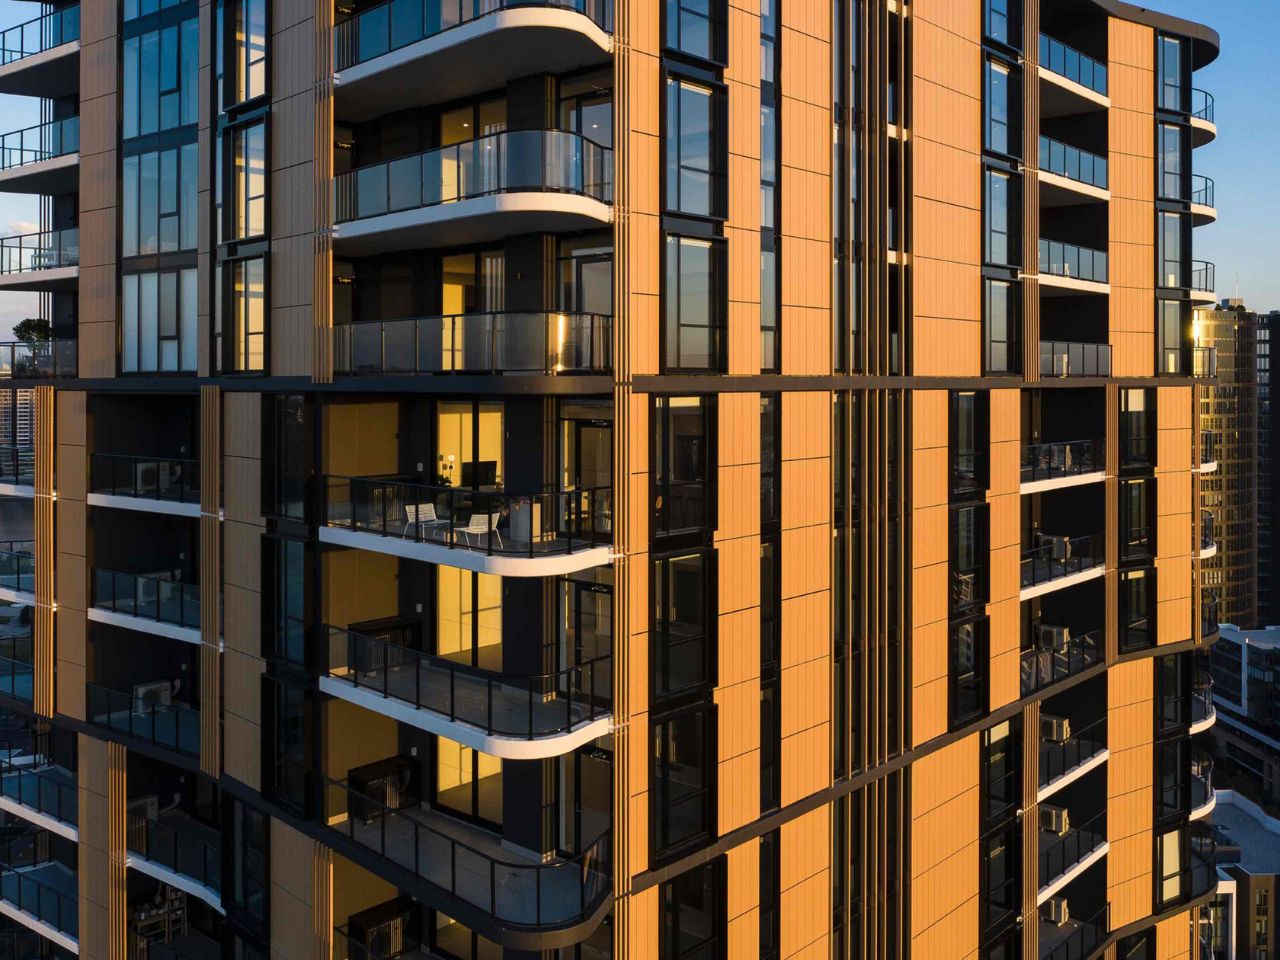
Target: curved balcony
<point>45,899</point>
<point>1068,269</point>
<point>48,261</point>
<point>17,471</point>
<point>1048,663</point>
<point>168,485</point>
<point>1203,797</point>
<point>538,342</point>
<point>1061,561</point>
<point>1208,452</point>
<point>17,571</point>
<point>1048,466</point>
<point>539,534</point>
<point>1072,81</point>
<point>1203,127</point>
<point>1075,939</point>
<point>518,181</point>
<point>471,865</point>
<point>40,792</point>
<point>1066,761</point>
<point>1059,358</point>
<point>1203,712</point>
<point>1070,176</point>
<point>513,717</point>
<point>177,850</point>
<point>1209,605</point>
<point>146,603</point>
<point>1198,876</point>
<point>40,58</point>
<point>466,46</point>
<point>1203,281</point>
<point>36,360</point>
<point>1063,857</point>
<point>1203,208</point>
<point>171,726</point>
<point>1208,545</point>
<point>43,159</point>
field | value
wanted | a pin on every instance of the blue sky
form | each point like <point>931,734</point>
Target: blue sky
<point>1243,161</point>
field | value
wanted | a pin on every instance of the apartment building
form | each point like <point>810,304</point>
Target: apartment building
<point>580,479</point>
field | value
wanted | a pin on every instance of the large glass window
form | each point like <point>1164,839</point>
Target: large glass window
<point>682,638</point>
<point>1172,90</point>
<point>1003,22</point>
<point>1170,334</point>
<point>469,617</point>
<point>694,304</point>
<point>289,602</point>
<point>249,181</point>
<point>158,321</point>
<point>682,464</point>
<point>967,659</point>
<point>158,201</point>
<point>1169,240</point>
<point>1000,208</point>
<point>246,299</point>
<point>249,34</point>
<point>968,558</point>
<point>693,909</point>
<point>1001,106</point>
<point>159,79</point>
<point>1171,162</point>
<point>1136,596</point>
<point>1136,502</point>
<point>684,763</point>
<point>468,782</point>
<point>1136,414</point>
<point>696,27</point>
<point>287,718</point>
<point>1003,326</point>
<point>249,862</point>
<point>695,158</point>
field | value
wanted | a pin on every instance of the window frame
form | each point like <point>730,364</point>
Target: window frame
<point>719,307</point>
<point>717,22</point>
<point>660,485</point>
<point>717,146</point>
<point>662,848</point>
<point>662,693</point>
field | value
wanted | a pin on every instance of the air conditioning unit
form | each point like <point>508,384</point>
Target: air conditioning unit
<point>1055,729</point>
<point>1059,545</point>
<point>1051,637</point>
<point>158,691</point>
<point>1055,911</point>
<point>147,807</point>
<point>1054,820</point>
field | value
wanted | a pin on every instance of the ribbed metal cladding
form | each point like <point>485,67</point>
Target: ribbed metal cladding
<point>1111,499</point>
<point>1030,831</point>
<point>117,853</point>
<point>322,154</point>
<point>210,580</point>
<point>322,899</point>
<point>1031,192</point>
<point>1197,592</point>
<point>42,628</point>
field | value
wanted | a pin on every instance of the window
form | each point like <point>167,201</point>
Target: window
<point>159,77</point>
<point>695,156</point>
<point>684,762</point>
<point>1002,212</point>
<point>1169,240</point>
<point>249,181</point>
<point>289,600</point>
<point>1136,411</point>
<point>1172,95</point>
<point>694,906</point>
<point>1139,946</point>
<point>771,895</point>
<point>1002,787</point>
<point>292,451</point>
<point>968,433</point>
<point>1172,340</point>
<point>1173,762</point>
<point>682,644</point>
<point>1171,162</point>
<point>158,201</point>
<point>287,712</point>
<point>249,47</point>
<point>455,940</point>
<point>1001,881</point>
<point>694,303</point>
<point>1170,855</point>
<point>158,321</point>
<point>968,539</point>
<point>1003,326</point>
<point>696,27</point>
<point>246,313</point>
<point>682,465</point>
<point>1003,22</point>
<point>1136,501</point>
<point>967,658</point>
<point>1135,619</point>
<point>249,862</point>
<point>1001,106</point>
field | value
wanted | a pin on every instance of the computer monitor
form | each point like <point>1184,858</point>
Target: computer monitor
<point>481,473</point>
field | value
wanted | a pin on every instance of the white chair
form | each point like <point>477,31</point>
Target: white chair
<point>420,515</point>
<point>480,524</point>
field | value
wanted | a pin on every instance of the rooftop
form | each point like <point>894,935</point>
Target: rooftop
<point>1241,823</point>
<point>1265,638</point>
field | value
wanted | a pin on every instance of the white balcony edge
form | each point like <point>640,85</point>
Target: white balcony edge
<point>38,278</point>
<point>35,168</point>
<point>1040,589</point>
<point>1207,127</point>
<point>127,621</point>
<point>39,59</point>
<point>532,17</point>
<point>17,596</point>
<point>1057,282</point>
<point>16,490</point>
<point>1210,466</point>
<point>1206,552</point>
<point>1204,296</point>
<point>506,747</point>
<point>1206,213</point>
<point>1061,483</point>
<point>1072,775</point>
<point>48,931</point>
<point>472,208</point>
<point>1063,879</point>
<point>549,565</point>
<point>42,820</point>
<point>1079,89</point>
<point>1075,186</point>
<point>1200,726</point>
<point>172,508</point>
<point>1206,808</point>
<point>159,871</point>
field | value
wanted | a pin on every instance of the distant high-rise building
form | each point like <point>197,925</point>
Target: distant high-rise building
<point>1268,567</point>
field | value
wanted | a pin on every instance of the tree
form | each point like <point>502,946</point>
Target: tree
<point>32,330</point>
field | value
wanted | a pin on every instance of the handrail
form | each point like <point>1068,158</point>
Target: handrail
<point>1204,276</point>
<point>1049,461</point>
<point>17,679</point>
<point>1064,558</point>
<point>152,478</point>
<point>1202,706</point>
<point>1204,361</point>
<point>18,465</point>
<point>182,852</point>
<point>1201,190</point>
<point>49,795</point>
<point>38,359</point>
<point>1072,162</point>
<point>1057,57</point>
<point>1062,358</point>
<point>528,707</point>
<point>1056,759</point>
<point>1208,447</point>
<point>489,522</point>
<point>151,598</point>
<point>173,726</point>
<point>515,892</point>
<point>1072,261</point>
<point>558,161</point>
<point>1072,847</point>
<point>43,141</point>
<point>39,899</point>
<point>1201,104</point>
<point>18,565</point>
<point>1209,604</point>
<point>1084,940</point>
<point>1041,667</point>
<point>398,23</point>
<point>40,34</point>
<point>1202,776</point>
<point>46,250</point>
<point>27,847</point>
<point>509,342</point>
<point>1206,530</point>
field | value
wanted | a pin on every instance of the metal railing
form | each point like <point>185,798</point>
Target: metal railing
<point>1072,162</point>
<point>18,565</point>
<point>1072,261</point>
<point>181,852</point>
<point>148,597</point>
<point>345,948</point>
<point>38,359</point>
<point>490,522</point>
<point>38,788</point>
<point>1072,847</point>
<point>1201,190</point>
<point>152,478</point>
<point>555,161</point>
<point>1204,361</point>
<point>1208,447</point>
<point>1203,276</point>
<point>1209,604</point>
<point>1065,61</point>
<point>1061,358</point>
<point>389,26</point>
<point>173,726</point>
<point>516,892</point>
<point>1057,759</point>
<point>47,250</point>
<point>1084,939</point>
<point>22,845</point>
<point>1049,461</point>
<point>18,465</point>
<point>1202,707</point>
<point>44,141</point>
<point>41,34</point>
<point>1204,867</point>
<point>1063,557</point>
<point>528,707</point>
<point>42,900</point>
<point>1207,541</point>
<point>1042,667</point>
<point>509,342</point>
<point>1201,779</point>
<point>1201,104</point>
<point>17,679</point>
